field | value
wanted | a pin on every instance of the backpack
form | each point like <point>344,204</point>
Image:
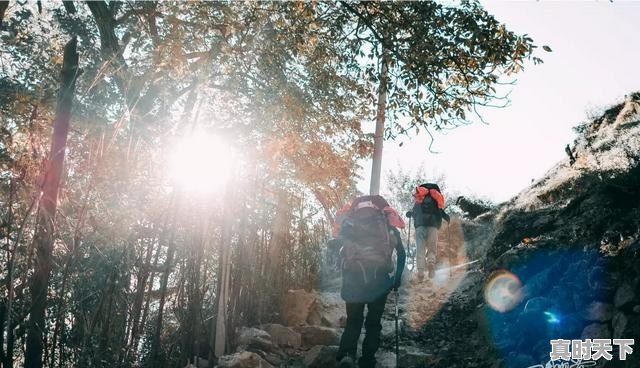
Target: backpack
<point>366,238</point>
<point>429,204</point>
<point>430,198</point>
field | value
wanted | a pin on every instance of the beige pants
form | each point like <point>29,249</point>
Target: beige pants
<point>426,241</point>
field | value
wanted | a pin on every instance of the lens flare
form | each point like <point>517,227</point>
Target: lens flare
<point>503,291</point>
<point>552,318</point>
<point>200,164</point>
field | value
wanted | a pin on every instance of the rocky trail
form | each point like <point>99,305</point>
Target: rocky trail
<point>561,260</point>
<point>315,321</point>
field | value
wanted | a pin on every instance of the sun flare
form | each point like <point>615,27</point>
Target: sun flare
<point>200,164</point>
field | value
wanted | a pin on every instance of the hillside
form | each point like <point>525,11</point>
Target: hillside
<point>560,260</point>
<point>572,241</point>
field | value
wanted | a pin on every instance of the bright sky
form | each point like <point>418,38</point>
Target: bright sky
<point>594,63</point>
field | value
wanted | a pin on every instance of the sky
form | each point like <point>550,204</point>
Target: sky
<point>594,64</point>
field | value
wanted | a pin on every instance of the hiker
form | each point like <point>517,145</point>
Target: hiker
<point>369,236</point>
<point>427,213</point>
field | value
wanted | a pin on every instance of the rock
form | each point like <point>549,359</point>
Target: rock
<point>601,280</point>
<point>385,359</point>
<point>596,331</point>
<point>274,359</point>
<point>296,307</point>
<point>619,324</point>
<point>413,358</point>
<point>598,311</point>
<point>327,310</point>
<point>318,335</point>
<point>283,336</point>
<point>254,338</point>
<point>243,359</point>
<point>321,357</point>
<point>626,326</point>
<point>636,308</point>
<point>624,295</point>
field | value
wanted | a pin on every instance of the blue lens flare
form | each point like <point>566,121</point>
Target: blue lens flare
<point>539,296</point>
<point>552,318</point>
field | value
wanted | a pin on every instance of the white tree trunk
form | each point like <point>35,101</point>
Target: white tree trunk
<point>376,167</point>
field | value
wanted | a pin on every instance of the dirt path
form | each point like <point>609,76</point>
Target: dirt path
<point>422,300</point>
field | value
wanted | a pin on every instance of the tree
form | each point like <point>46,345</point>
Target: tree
<point>434,63</point>
<point>287,84</point>
<point>44,236</point>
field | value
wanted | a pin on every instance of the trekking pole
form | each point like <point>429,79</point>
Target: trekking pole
<point>413,267</point>
<point>450,249</point>
<point>397,333</point>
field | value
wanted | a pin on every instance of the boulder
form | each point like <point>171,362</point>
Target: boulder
<point>327,310</point>
<point>624,295</point>
<point>597,311</point>
<point>601,280</point>
<point>296,307</point>
<point>243,359</point>
<point>283,336</point>
<point>619,325</point>
<point>321,357</point>
<point>318,335</point>
<point>251,338</point>
<point>626,326</point>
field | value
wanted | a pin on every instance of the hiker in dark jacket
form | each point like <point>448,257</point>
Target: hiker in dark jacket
<point>366,285</point>
<point>428,213</point>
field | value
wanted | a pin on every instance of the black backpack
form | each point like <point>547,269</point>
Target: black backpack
<point>366,239</point>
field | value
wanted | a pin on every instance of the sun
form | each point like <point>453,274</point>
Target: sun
<point>200,164</point>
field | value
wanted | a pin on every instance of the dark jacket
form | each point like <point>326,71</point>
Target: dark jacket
<point>430,217</point>
<point>356,290</point>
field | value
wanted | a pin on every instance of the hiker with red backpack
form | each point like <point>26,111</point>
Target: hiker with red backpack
<point>428,213</point>
<point>369,235</point>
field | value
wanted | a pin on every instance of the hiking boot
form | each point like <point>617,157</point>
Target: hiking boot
<point>347,362</point>
<point>367,363</point>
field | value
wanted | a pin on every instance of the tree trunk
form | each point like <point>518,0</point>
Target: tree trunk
<point>3,7</point>
<point>109,47</point>
<point>376,166</point>
<point>7,357</point>
<point>220,341</point>
<point>43,238</point>
<point>69,7</point>
<point>155,349</point>
<point>141,286</point>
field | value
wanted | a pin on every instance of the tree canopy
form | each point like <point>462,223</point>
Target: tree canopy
<point>287,86</point>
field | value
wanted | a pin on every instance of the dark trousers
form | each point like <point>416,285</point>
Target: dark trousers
<point>351,334</point>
